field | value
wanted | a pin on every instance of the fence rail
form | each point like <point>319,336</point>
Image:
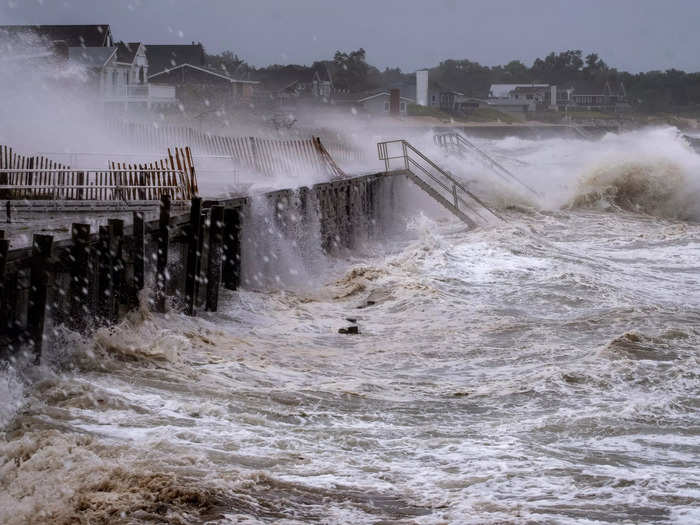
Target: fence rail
<point>40,178</point>
<point>263,155</point>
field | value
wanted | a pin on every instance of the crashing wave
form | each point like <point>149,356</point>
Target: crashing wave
<point>657,188</point>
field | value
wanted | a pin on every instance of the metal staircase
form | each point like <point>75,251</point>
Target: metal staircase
<point>435,181</point>
<point>458,144</point>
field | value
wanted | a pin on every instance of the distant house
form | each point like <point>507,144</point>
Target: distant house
<point>380,103</point>
<point>291,86</point>
<point>184,66</point>
<point>119,75</point>
<point>518,99</point>
<point>322,84</point>
<point>202,82</point>
<point>605,96</point>
<point>509,91</point>
<point>162,57</point>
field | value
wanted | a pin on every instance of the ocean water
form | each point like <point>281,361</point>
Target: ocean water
<point>543,369</point>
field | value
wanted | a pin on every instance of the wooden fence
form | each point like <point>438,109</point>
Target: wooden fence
<point>263,155</point>
<point>40,178</point>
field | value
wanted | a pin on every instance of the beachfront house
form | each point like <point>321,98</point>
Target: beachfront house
<point>119,75</point>
<point>379,103</point>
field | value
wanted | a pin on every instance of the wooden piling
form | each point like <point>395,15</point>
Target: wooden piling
<point>193,255</point>
<point>231,271</point>
<point>138,257</point>
<point>4,249</point>
<point>104,276</point>
<point>38,291</point>
<point>79,276</point>
<point>116,240</point>
<point>214,258</point>
<point>162,255</point>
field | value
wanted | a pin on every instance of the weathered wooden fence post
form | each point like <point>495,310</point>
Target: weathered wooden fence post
<point>79,272</point>
<point>193,254</point>
<point>38,291</point>
<point>142,184</point>
<point>116,237</point>
<point>162,253</point>
<point>81,183</point>
<point>231,271</point>
<point>214,258</point>
<point>138,257</point>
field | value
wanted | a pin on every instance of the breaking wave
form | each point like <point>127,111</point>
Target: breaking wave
<point>659,188</point>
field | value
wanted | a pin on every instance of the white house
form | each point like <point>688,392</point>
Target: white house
<point>120,75</point>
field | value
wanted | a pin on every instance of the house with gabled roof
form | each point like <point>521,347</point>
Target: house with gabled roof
<point>195,83</point>
<point>162,57</point>
<point>119,75</point>
<point>379,103</point>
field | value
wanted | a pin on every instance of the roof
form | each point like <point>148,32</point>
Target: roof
<point>127,52</point>
<point>597,88</point>
<point>95,57</point>
<point>383,93</point>
<point>206,70</point>
<point>99,35</point>
<point>502,90</point>
<point>165,57</point>
<point>530,89</point>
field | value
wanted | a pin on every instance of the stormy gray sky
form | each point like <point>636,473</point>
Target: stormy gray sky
<point>632,35</point>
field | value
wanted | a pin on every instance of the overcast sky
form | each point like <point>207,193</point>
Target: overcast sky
<point>632,35</point>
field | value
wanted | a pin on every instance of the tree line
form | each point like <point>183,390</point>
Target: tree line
<point>652,91</point>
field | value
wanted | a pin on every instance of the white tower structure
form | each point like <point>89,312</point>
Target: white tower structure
<point>422,87</point>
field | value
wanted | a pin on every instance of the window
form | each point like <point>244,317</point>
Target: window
<point>386,107</point>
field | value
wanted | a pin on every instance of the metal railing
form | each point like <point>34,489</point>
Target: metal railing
<point>458,142</point>
<point>439,180</point>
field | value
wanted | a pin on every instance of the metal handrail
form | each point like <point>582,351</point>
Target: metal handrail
<point>497,167</point>
<point>449,190</point>
<point>383,150</point>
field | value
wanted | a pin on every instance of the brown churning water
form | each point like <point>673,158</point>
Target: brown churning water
<point>540,370</point>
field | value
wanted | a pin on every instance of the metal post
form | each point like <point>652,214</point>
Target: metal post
<point>162,255</point>
<point>405,155</point>
<point>38,291</point>
<point>193,254</point>
<point>79,272</point>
